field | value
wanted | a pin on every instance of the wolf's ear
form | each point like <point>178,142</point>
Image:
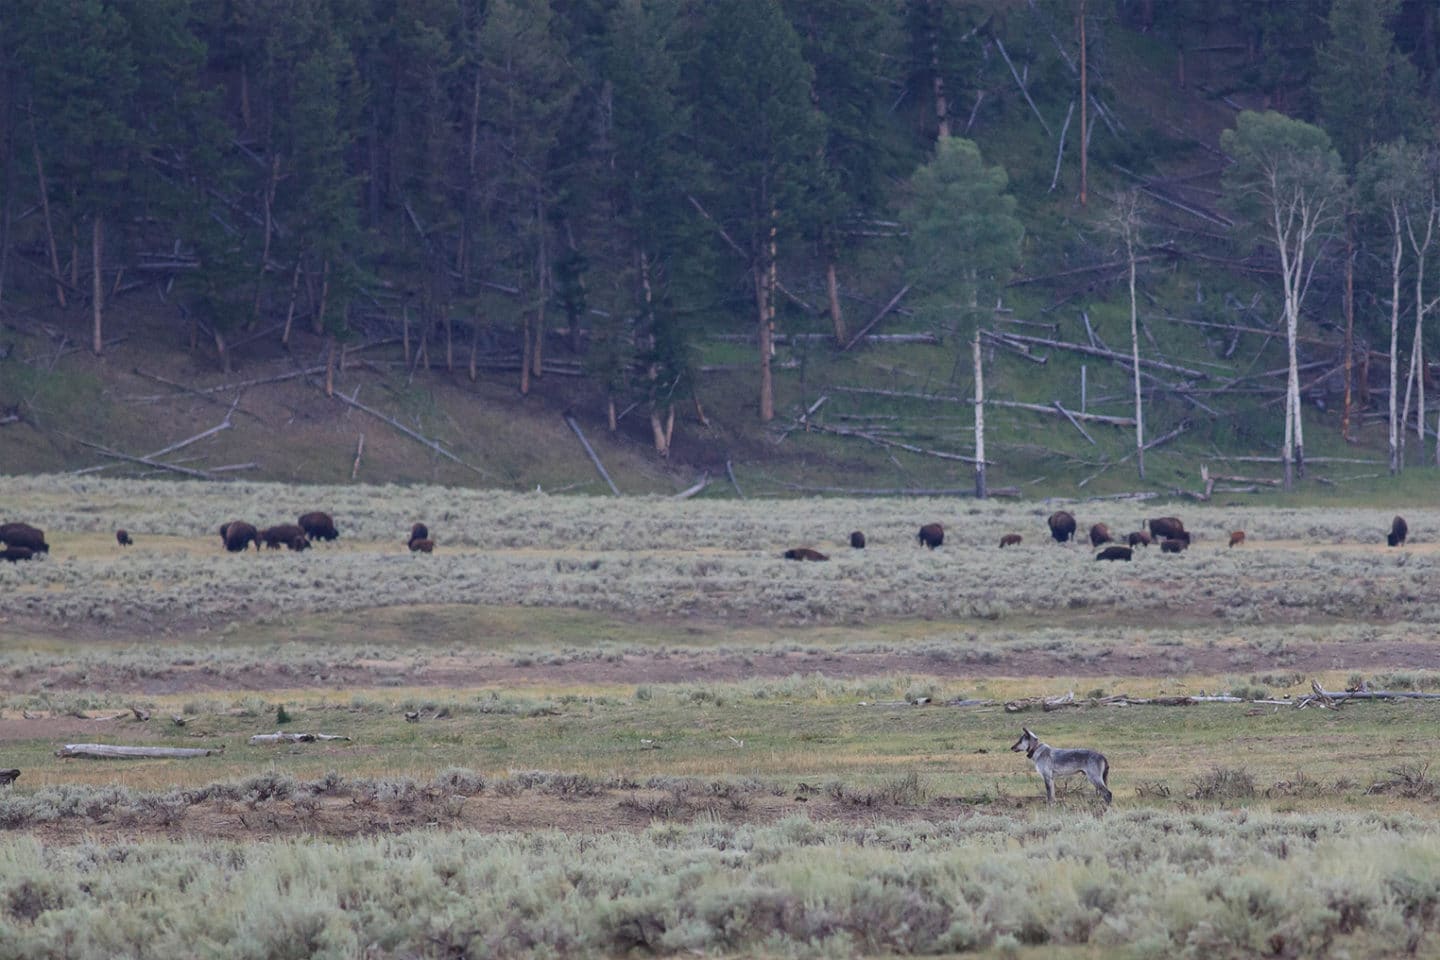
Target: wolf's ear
<point>1026,731</point>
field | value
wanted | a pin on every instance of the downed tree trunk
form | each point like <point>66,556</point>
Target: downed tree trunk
<point>280,736</point>
<point>590,452</point>
<point>109,751</point>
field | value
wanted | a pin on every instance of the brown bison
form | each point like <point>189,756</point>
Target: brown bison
<point>318,526</point>
<point>1396,537</point>
<point>419,532</point>
<point>1139,539</point>
<point>1116,552</point>
<point>24,535</point>
<point>1165,527</point>
<point>286,534</point>
<point>1099,534</point>
<point>804,553</point>
<point>238,535</point>
<point>122,537</point>
<point>1237,537</point>
<point>857,540</point>
<point>1010,540</point>
<point>932,535</point>
<point>423,545</point>
<point>16,553</point>
<point>1174,545</point>
<point>1062,525</point>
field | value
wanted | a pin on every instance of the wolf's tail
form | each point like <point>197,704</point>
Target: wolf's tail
<point>1105,771</point>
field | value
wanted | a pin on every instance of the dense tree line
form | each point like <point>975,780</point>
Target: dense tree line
<point>476,175</point>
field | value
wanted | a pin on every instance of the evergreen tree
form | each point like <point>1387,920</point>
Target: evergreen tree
<point>1366,89</point>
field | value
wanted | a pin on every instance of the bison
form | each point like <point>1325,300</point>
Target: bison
<point>24,535</point>
<point>419,532</point>
<point>238,535</point>
<point>1396,537</point>
<point>1116,552</point>
<point>122,537</point>
<point>932,535</point>
<point>318,526</point>
<point>1010,540</point>
<point>1139,539</point>
<point>1062,525</point>
<point>1165,528</point>
<point>1237,537</point>
<point>423,545</point>
<point>857,540</point>
<point>287,534</point>
<point>16,553</point>
<point>1174,545</point>
<point>1099,534</point>
<point>804,553</point>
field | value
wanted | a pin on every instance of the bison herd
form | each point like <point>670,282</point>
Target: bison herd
<point>1168,532</point>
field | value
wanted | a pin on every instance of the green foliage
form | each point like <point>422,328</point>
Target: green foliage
<point>1367,89</point>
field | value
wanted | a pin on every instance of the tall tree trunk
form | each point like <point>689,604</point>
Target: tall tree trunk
<point>660,432</point>
<point>764,333</point>
<point>49,226</point>
<point>222,350</point>
<point>980,488</point>
<point>525,354</point>
<point>832,291</point>
<point>1349,325</point>
<point>1084,112</point>
<point>937,78</point>
<point>474,349</point>
<point>1395,435</point>
<point>290,311</point>
<point>269,204</point>
<point>97,255</point>
<point>1135,363</point>
<point>405,332</point>
<point>330,367</point>
<point>319,325</point>
<point>449,341</point>
<point>542,288</point>
<point>611,419</point>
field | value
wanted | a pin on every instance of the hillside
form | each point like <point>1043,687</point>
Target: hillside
<point>890,412</point>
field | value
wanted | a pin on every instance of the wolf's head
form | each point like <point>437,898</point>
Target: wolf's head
<point>1027,742</point>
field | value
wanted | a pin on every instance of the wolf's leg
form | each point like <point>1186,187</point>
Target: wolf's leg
<point>1049,789</point>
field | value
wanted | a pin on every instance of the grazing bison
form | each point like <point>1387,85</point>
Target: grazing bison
<point>16,553</point>
<point>1062,525</point>
<point>857,540</point>
<point>1010,540</point>
<point>318,526</point>
<point>1174,545</point>
<point>1099,534</point>
<point>932,535</point>
<point>9,776</point>
<point>122,537</point>
<point>1237,537</point>
<point>24,535</point>
<point>804,553</point>
<point>423,545</point>
<point>286,534</point>
<point>1139,539</point>
<point>1396,537</point>
<point>419,532</point>
<point>1116,552</point>
<point>238,535</point>
<point>1165,528</point>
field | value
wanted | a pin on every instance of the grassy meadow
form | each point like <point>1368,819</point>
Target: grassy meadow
<point>627,726</point>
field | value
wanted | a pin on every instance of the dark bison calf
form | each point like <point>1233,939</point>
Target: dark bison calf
<point>1010,540</point>
<point>238,535</point>
<point>857,540</point>
<point>122,537</point>
<point>318,526</point>
<point>1099,534</point>
<point>1116,552</point>
<point>286,534</point>
<point>804,553</point>
<point>1139,539</point>
<point>1396,537</point>
<point>1165,527</point>
<point>419,532</point>
<point>1237,537</point>
<point>423,545</point>
<point>24,535</point>
<point>1174,545</point>
<point>16,553</point>
<point>1062,525</point>
<point>932,535</point>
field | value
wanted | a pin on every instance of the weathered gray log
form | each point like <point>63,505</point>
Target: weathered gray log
<point>110,751</point>
<point>426,441</point>
<point>865,330</point>
<point>280,736</point>
<point>1073,422</point>
<point>1014,404</point>
<point>595,459</point>
<point>689,492</point>
<point>1096,351</point>
<point>730,472</point>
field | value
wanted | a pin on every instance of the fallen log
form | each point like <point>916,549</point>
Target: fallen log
<point>280,736</point>
<point>594,458</point>
<point>418,438</point>
<point>699,485</point>
<point>108,751</point>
